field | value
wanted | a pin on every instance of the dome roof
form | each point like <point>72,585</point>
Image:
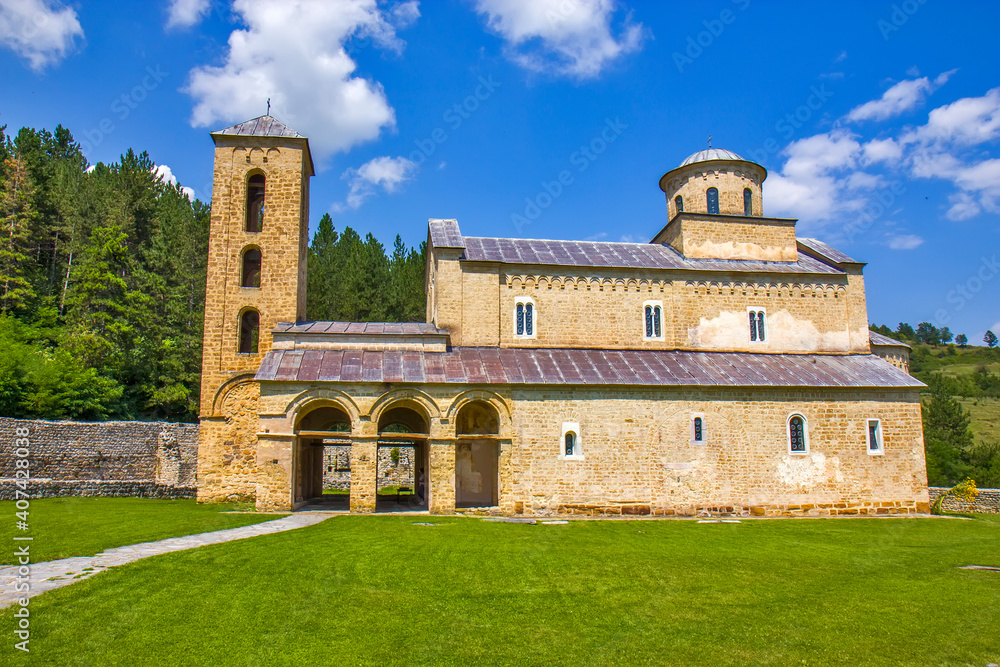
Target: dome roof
<point>711,154</point>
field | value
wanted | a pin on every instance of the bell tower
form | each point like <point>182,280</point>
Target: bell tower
<point>257,247</point>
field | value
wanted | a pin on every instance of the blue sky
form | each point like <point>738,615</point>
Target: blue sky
<point>878,122</point>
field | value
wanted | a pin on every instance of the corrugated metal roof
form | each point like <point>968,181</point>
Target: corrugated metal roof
<point>827,251</point>
<point>445,234</point>
<point>622,255</point>
<point>368,328</point>
<point>262,126</point>
<point>879,339</point>
<point>478,365</point>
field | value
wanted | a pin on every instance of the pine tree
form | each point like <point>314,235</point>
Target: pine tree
<point>947,438</point>
<point>17,219</point>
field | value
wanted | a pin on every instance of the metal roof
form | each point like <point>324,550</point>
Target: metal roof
<point>621,255</point>
<point>526,366</point>
<point>710,154</point>
<point>879,339</point>
<point>262,126</point>
<point>370,328</point>
<point>827,252</point>
<point>445,234</point>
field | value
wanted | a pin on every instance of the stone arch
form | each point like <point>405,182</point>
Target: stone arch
<point>311,399</point>
<point>494,399</point>
<point>396,397</point>
<point>228,386</point>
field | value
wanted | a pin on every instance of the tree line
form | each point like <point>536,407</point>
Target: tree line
<point>928,334</point>
<point>102,283</point>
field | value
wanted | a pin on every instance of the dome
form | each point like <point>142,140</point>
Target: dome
<point>711,154</point>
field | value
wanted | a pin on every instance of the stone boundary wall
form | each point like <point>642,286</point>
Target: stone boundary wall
<point>337,467</point>
<point>987,502</point>
<point>115,458</point>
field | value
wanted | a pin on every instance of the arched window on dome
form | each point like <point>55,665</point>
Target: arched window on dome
<point>747,201</point>
<point>679,203</point>
<point>713,200</point>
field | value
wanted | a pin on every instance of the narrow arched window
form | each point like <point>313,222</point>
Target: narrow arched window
<point>679,203</point>
<point>251,268</point>
<point>797,434</point>
<point>698,430</point>
<point>713,200</point>
<point>747,202</point>
<point>653,320</point>
<point>570,442</point>
<point>249,331</point>
<point>524,317</point>
<point>757,319</point>
<point>255,203</point>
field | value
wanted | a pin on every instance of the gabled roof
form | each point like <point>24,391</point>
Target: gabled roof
<point>261,126</point>
<point>879,339</point>
<point>445,233</point>
<point>265,126</point>
<point>527,366</point>
<point>822,250</point>
<point>622,256</point>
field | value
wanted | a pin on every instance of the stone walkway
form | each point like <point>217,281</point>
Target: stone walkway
<point>59,573</point>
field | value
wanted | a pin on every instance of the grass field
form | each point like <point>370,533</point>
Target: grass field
<point>65,527</point>
<point>985,413</point>
<point>381,590</point>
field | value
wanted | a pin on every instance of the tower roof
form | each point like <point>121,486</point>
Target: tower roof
<point>262,126</point>
<point>711,154</point>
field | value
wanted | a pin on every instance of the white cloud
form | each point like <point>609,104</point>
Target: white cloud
<point>816,178</point>
<point>165,174</point>
<point>292,52</point>
<point>186,13</point>
<point>965,122</point>
<point>566,37</point>
<point>385,172</point>
<point>899,99</point>
<point>881,150</point>
<point>905,242</point>
<point>963,207</point>
<point>40,31</point>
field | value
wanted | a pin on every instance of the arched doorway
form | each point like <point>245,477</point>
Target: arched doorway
<point>477,455</point>
<point>323,456</point>
<point>402,460</point>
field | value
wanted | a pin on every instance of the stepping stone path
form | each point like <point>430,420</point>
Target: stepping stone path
<point>59,573</point>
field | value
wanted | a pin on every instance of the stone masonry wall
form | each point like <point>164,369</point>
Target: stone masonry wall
<point>337,467</point>
<point>118,458</point>
<point>637,454</point>
<point>987,502</point>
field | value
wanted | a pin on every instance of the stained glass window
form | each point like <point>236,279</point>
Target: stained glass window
<point>698,432</point>
<point>874,435</point>
<point>649,321</point>
<point>570,443</point>
<point>760,325</point>
<point>520,319</point>
<point>528,325</point>
<point>679,201</point>
<point>747,202</point>
<point>753,326</point>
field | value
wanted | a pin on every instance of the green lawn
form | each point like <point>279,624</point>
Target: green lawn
<point>383,591</point>
<point>64,527</point>
<point>985,413</point>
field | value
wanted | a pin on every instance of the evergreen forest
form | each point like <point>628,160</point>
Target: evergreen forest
<point>102,284</point>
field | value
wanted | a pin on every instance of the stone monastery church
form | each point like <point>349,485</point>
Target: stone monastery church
<point>725,367</point>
